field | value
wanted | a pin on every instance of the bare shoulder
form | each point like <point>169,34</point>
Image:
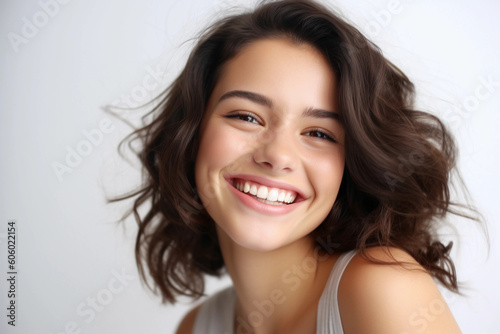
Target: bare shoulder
<point>187,323</point>
<point>390,298</point>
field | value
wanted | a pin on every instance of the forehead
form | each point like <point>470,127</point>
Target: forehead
<point>281,69</point>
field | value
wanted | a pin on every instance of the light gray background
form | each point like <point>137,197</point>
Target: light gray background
<point>86,54</point>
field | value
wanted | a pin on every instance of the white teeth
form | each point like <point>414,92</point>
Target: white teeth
<point>272,195</point>
<point>266,194</point>
<point>253,190</point>
<point>262,193</point>
<point>269,202</point>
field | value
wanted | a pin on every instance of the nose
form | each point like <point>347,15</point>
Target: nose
<point>275,151</point>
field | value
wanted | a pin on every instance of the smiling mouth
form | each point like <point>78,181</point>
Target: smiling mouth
<point>264,194</point>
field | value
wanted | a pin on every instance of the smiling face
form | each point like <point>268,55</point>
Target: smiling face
<point>271,153</point>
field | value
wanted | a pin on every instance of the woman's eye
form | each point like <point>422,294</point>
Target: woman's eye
<point>320,135</point>
<point>244,117</point>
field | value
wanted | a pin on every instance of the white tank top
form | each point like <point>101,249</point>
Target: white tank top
<point>216,315</point>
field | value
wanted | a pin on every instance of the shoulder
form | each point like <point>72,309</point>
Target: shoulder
<point>187,323</point>
<point>391,298</point>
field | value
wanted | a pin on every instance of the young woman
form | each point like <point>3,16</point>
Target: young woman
<point>288,154</point>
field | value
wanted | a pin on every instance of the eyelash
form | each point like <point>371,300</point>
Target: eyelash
<point>323,135</point>
<point>244,116</point>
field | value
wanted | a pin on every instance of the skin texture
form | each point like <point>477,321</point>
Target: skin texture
<point>276,142</point>
<point>383,298</point>
<point>280,144</point>
<point>376,298</point>
<point>268,252</point>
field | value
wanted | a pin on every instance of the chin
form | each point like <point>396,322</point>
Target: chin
<point>256,238</point>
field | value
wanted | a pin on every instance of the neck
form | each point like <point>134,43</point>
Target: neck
<point>277,288</point>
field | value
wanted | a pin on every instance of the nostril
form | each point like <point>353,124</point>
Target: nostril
<point>267,164</point>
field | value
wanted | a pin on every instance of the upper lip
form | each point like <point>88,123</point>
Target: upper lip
<point>268,183</point>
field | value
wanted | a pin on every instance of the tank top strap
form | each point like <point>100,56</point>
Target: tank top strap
<point>216,314</point>
<point>328,319</point>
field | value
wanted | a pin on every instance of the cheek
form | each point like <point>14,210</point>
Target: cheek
<point>219,150</point>
<point>209,151</point>
<point>327,175</point>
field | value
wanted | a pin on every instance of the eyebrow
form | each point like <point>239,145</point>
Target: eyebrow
<point>320,113</point>
<point>254,97</point>
<point>265,101</point>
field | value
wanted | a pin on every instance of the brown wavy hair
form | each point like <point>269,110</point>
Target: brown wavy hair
<point>396,183</point>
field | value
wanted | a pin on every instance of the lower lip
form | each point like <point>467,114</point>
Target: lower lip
<point>264,208</point>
